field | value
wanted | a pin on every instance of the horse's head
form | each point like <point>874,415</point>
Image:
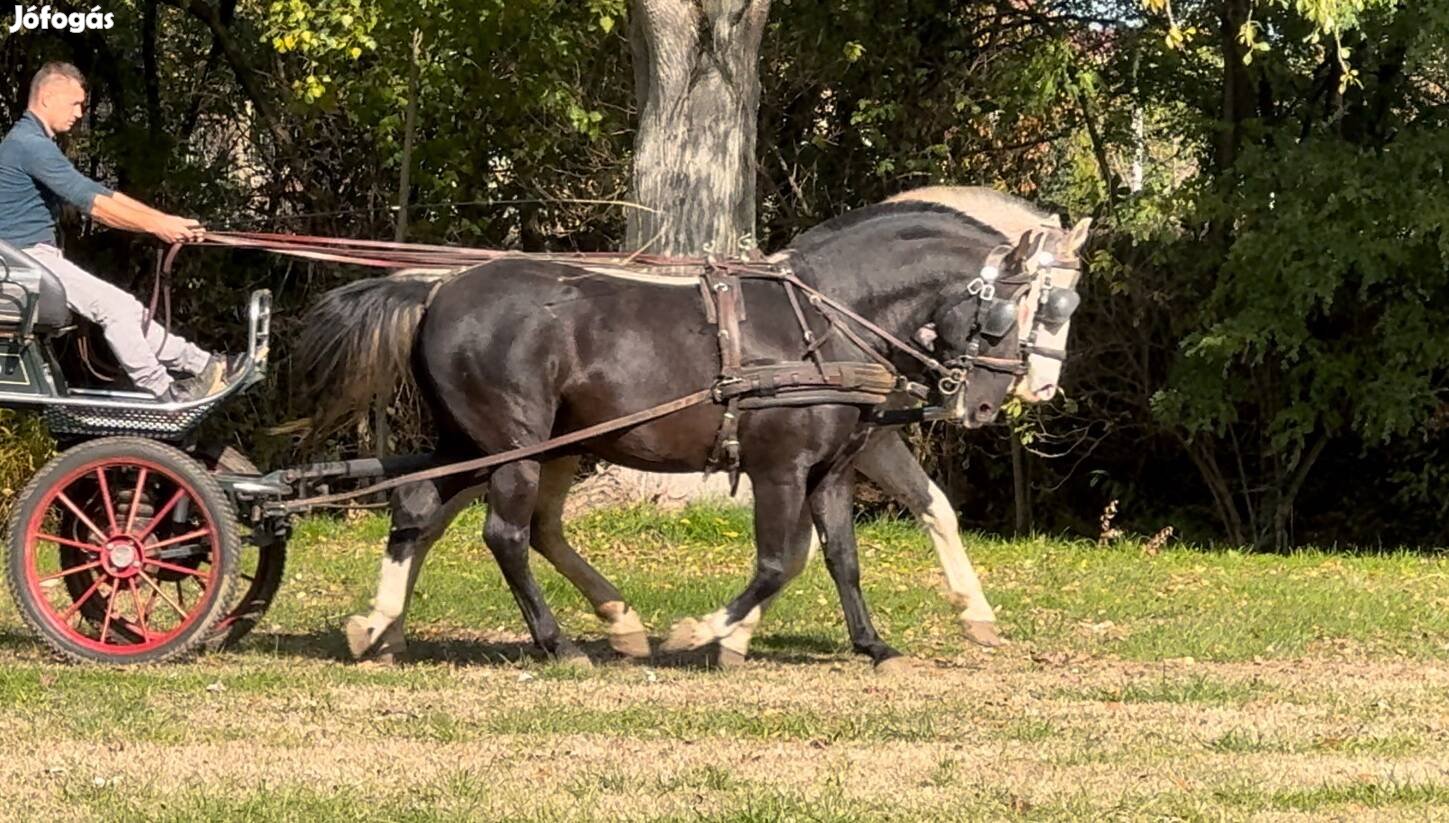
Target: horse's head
<point>1046,313</point>
<point>981,331</point>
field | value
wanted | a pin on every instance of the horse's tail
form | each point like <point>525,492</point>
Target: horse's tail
<point>356,345</point>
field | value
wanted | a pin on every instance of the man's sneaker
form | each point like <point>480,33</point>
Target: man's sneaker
<point>178,392</point>
<point>220,370</point>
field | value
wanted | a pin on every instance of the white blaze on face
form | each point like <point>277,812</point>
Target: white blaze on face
<point>1045,380</point>
<point>956,406</point>
<point>1043,374</point>
<point>1014,218</point>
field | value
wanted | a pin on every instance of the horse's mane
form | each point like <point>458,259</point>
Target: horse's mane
<point>814,238</point>
<point>1008,214</point>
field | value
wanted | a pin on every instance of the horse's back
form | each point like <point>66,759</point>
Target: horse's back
<point>529,331</point>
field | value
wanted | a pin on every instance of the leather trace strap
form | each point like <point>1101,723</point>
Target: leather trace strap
<point>510,456</point>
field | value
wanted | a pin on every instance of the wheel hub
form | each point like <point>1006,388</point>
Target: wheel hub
<point>122,556</point>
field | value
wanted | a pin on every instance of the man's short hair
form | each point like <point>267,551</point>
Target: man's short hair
<point>52,70</point>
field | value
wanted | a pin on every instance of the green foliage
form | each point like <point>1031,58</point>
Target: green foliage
<point>24,447</point>
<point>1259,284</point>
<point>1333,278</point>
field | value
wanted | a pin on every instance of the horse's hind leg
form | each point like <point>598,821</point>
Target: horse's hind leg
<point>626,632</point>
<point>889,464</point>
<point>512,495</point>
<point>421,513</point>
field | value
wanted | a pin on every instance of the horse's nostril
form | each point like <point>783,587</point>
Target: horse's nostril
<point>985,411</point>
<point>1046,392</point>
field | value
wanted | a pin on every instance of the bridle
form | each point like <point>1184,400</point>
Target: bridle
<point>998,302</point>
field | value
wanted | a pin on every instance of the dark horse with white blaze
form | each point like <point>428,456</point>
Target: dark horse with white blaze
<point>518,351</point>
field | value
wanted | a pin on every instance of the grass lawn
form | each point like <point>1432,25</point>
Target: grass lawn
<point>1190,684</point>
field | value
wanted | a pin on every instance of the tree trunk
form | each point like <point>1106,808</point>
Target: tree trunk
<point>1283,508</point>
<point>1238,99</point>
<point>1201,450</point>
<point>697,81</point>
<point>1021,487</point>
<point>618,486</point>
<point>410,118</point>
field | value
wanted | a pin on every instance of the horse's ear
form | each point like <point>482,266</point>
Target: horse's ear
<point>1077,238</point>
<point>1027,253</point>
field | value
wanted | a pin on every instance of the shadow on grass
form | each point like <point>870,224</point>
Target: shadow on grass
<point>475,651</point>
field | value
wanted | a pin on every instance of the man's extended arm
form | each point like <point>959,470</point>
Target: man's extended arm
<point>122,212</point>
<point>55,171</point>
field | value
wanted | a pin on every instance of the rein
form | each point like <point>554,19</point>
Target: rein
<point>395,255</point>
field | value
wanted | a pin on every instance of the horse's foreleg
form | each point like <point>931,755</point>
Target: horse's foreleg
<point>832,507</point>
<point>889,464</point>
<point>782,537</point>
<point>421,513</point>
<point>626,631</point>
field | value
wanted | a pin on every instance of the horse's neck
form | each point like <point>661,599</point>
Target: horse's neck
<point>893,282</point>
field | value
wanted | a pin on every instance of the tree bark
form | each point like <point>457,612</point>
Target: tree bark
<point>404,185</point>
<point>1283,511</point>
<point>1201,450</point>
<point>697,81</point>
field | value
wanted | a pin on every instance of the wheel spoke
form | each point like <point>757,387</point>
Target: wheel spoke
<point>71,570</point>
<point>178,569</point>
<point>75,607</point>
<point>140,613</point>
<point>106,497</point>
<point>164,596</point>
<point>110,607</point>
<point>171,541</point>
<point>66,541</point>
<point>135,500</point>
<point>75,510</point>
<point>161,515</point>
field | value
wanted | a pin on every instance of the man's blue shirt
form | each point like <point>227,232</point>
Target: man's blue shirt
<point>35,177</point>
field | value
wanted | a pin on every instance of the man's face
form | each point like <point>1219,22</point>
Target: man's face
<point>62,102</point>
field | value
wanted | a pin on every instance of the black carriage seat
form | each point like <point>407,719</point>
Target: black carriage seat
<point>20,281</point>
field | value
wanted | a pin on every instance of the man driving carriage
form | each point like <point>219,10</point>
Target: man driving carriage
<point>35,177</point>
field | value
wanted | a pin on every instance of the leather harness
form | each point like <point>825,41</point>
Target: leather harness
<point>808,382</point>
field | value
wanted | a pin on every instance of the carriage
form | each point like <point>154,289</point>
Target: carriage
<point>128,545</point>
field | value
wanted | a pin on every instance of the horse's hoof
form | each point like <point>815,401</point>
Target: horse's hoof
<point>359,639</point>
<point>364,647</point>
<point>729,658</point>
<point>567,654</point>
<point>983,633</point>
<point>634,645</point>
<point>896,666</point>
<point>686,635</point>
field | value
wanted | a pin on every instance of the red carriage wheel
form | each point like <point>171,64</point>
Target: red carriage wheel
<point>122,550</point>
